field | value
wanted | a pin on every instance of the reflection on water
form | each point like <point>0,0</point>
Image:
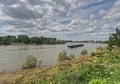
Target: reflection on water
<point>12,57</point>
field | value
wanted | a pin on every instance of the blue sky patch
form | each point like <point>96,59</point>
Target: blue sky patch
<point>3,24</point>
<point>65,22</point>
<point>99,3</point>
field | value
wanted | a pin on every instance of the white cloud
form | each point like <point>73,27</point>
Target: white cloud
<point>91,19</point>
<point>102,12</point>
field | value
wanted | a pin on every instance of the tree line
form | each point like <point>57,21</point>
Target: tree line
<point>25,39</point>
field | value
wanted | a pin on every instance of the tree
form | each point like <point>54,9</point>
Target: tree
<point>36,40</point>
<point>11,38</point>
<point>5,40</point>
<point>1,39</point>
<point>23,39</point>
<point>114,39</point>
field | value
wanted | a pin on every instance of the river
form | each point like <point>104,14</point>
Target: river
<point>12,56</point>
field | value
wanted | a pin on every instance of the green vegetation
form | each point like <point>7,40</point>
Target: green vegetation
<point>114,39</point>
<point>72,56</point>
<point>84,52</point>
<point>30,62</point>
<point>63,56</point>
<point>39,63</point>
<point>24,39</point>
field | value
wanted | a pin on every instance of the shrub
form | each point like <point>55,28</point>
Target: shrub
<point>98,81</point>
<point>84,52</point>
<point>92,54</point>
<point>62,56</point>
<point>30,62</point>
<point>72,56</point>
<point>39,63</point>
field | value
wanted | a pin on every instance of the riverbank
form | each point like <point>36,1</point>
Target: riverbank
<point>101,67</point>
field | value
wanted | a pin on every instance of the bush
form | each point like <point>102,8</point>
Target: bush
<point>84,52</point>
<point>98,81</point>
<point>92,54</point>
<point>62,56</point>
<point>39,63</point>
<point>30,62</point>
<point>72,56</point>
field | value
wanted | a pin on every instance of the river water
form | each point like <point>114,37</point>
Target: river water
<point>12,56</point>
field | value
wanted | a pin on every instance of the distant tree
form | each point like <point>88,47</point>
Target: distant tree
<point>1,40</point>
<point>114,39</point>
<point>23,39</point>
<point>12,39</point>
<point>9,39</point>
<point>36,40</point>
<point>5,40</point>
<point>52,41</point>
<point>60,42</point>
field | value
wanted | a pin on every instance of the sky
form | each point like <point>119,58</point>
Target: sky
<point>62,19</point>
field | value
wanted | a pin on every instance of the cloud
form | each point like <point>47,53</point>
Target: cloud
<point>20,24</point>
<point>64,19</point>
<point>21,13</point>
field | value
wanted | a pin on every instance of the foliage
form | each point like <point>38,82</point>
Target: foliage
<point>84,52</point>
<point>98,81</point>
<point>39,63</point>
<point>72,56</point>
<point>30,62</point>
<point>7,39</point>
<point>114,39</point>
<point>62,56</point>
<point>25,39</point>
